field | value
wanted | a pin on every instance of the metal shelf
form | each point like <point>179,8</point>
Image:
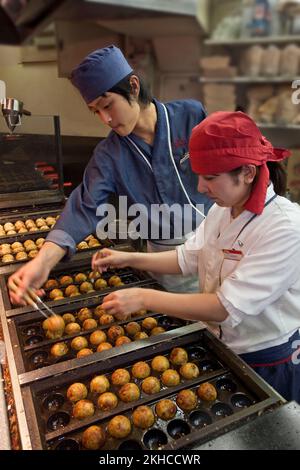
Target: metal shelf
<point>255,40</point>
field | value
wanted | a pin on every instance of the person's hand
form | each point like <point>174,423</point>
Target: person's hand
<point>123,302</point>
<point>106,258</point>
<point>31,275</point>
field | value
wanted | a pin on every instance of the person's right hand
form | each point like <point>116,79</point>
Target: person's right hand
<point>32,275</point>
<point>106,258</point>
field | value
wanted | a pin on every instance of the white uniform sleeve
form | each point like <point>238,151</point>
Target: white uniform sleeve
<point>188,254</point>
<point>263,275</point>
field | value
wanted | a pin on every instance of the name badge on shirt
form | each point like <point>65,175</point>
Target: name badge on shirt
<point>234,255</point>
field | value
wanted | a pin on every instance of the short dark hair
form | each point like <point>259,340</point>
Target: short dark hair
<point>124,89</point>
<point>277,176</point>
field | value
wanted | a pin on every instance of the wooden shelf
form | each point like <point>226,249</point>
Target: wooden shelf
<point>270,80</point>
<point>275,126</point>
<point>251,41</point>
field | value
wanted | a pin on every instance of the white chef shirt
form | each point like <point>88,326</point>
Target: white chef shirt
<point>261,292</point>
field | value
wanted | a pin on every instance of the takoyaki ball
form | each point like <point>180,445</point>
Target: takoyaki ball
<point>129,392</point>
<point>170,377</point>
<point>3,233</point>
<point>80,277</point>
<point>59,349</point>
<point>166,409</point>
<point>40,242</point>
<point>7,259</point>
<point>68,318</point>
<point>89,237</point>
<point>103,347</point>
<point>50,220</point>
<point>19,224</point>
<point>79,343</point>
<point>16,245</point>
<point>22,256</point>
<point>5,249</point>
<point>189,370</point>
<point>140,335</point>
<point>54,326</point>
<point>44,227</point>
<point>86,287</point>
<point>22,230</point>
<point>83,409</point>
<point>51,284</point>
<point>157,330</point>
<point>140,370</point>
<point>99,384</point>
<point>84,352</point>
<point>119,427</point>
<point>84,313</point>
<point>107,401</point>
<point>89,324</point>
<point>100,284</point>
<point>71,290</point>
<point>8,226</point>
<point>151,385</point>
<point>149,323</point>
<point>93,243</point>
<point>11,232</point>
<point>72,328</point>
<point>82,246</point>
<point>106,319</point>
<point>77,391</point>
<point>99,311</point>
<point>114,332</point>
<point>160,363</point>
<point>114,281</point>
<point>40,222</point>
<point>132,328</point>
<point>65,281</point>
<point>60,297</point>
<point>143,417</point>
<point>97,337</point>
<point>33,229</point>
<point>32,254</point>
<point>30,223</point>
<point>75,294</point>
<point>18,249</point>
<point>1,227</point>
<point>207,392</point>
<point>54,293</point>
<point>93,438</point>
<point>94,275</point>
<point>122,340</point>
<point>187,400</point>
<point>120,377</point>
<point>178,356</point>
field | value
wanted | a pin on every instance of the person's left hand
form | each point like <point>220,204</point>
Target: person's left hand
<point>123,302</point>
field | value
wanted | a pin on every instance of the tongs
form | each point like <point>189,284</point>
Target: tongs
<point>32,299</point>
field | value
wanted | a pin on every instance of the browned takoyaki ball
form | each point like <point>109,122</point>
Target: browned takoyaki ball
<point>79,343</point>
<point>149,323</point>
<point>160,363</point>
<point>22,230</point>
<point>157,330</point>
<point>107,401</point>
<point>30,247</point>
<point>178,356</point>
<point>140,335</point>
<point>114,332</point>
<point>106,319</point>
<point>187,400</point>
<point>50,221</point>
<point>77,391</point>
<point>119,427</point>
<point>207,392</point>
<point>143,417</point>
<point>18,249</point>
<point>114,281</point>
<point>8,226</point>
<point>84,352</point>
<point>93,243</point>
<point>122,340</point>
<point>97,337</point>
<point>33,229</point>
<point>11,232</point>
<point>72,328</point>
<point>82,246</point>
<point>139,313</point>
<point>103,347</point>
<point>84,313</point>
<point>132,328</point>
<point>21,256</point>
<point>68,318</point>
<point>86,287</point>
<point>170,378</point>
<point>7,259</point>
<point>166,409</point>
<point>94,275</point>
<point>5,249</point>
<point>51,284</point>
<point>71,290</point>
<point>151,385</point>
<point>16,245</point>
<point>19,224</point>
<point>59,349</point>
<point>32,254</point>
<point>80,277</point>
<point>65,281</point>
<point>120,377</point>
<point>83,409</point>
<point>40,222</point>
<point>99,311</point>
<point>40,242</point>
<point>93,438</point>
<point>54,326</point>
<point>140,370</point>
<point>100,284</point>
<point>129,392</point>
<point>189,370</point>
<point>89,324</point>
<point>54,293</point>
<point>99,384</point>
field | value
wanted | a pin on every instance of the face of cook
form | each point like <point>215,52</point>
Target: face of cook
<point>226,189</point>
<point>116,112</point>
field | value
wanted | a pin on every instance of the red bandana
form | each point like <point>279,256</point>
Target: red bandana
<point>225,141</point>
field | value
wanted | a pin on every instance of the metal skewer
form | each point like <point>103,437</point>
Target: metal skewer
<point>30,301</point>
